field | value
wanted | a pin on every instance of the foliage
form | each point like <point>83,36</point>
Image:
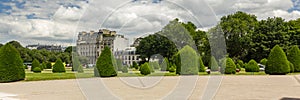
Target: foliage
<point>264,61</point>
<point>187,61</point>
<point>230,66</point>
<point>292,69</point>
<point>172,68</point>
<point>135,65</point>
<point>58,67</point>
<point>213,64</point>
<point>37,70</point>
<point>145,69</point>
<point>76,63</point>
<point>155,44</point>
<point>165,65</point>
<point>201,65</point>
<point>119,64</point>
<point>48,65</point>
<point>252,66</point>
<point>104,65</point>
<point>241,63</point>
<point>35,63</point>
<point>293,55</point>
<point>80,69</point>
<point>154,64</point>
<point>43,66</point>
<point>277,63</point>
<point>124,69</point>
<point>11,64</point>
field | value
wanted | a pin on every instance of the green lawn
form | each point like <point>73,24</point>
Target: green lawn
<point>89,73</point>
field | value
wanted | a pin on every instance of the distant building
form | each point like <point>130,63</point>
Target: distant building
<point>128,56</point>
<point>136,42</point>
<point>90,44</point>
<point>47,47</point>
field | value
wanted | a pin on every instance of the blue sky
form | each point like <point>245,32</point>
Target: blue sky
<point>59,21</point>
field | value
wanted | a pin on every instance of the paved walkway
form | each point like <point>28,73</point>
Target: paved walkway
<point>149,88</point>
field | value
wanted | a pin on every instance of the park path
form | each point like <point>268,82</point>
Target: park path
<point>232,88</point>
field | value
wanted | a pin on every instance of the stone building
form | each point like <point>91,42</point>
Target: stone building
<point>127,56</point>
<point>90,44</point>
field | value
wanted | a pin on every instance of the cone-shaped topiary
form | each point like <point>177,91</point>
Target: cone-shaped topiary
<point>252,66</point>
<point>213,64</point>
<point>277,63</point>
<point>145,69</point>
<point>35,63</point>
<point>293,55</point>
<point>263,61</point>
<point>230,66</point>
<point>201,65</point>
<point>76,62</point>
<point>241,63</point>
<point>11,64</point>
<point>104,65</point>
<point>154,64</point>
<point>187,61</point>
<point>58,67</point>
<point>291,67</point>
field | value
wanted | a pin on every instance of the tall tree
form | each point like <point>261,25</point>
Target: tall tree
<point>237,28</point>
<point>277,62</point>
<point>293,55</point>
<point>104,65</point>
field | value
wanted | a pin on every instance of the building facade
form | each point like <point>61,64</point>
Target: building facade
<point>127,56</point>
<point>90,44</point>
<point>51,48</point>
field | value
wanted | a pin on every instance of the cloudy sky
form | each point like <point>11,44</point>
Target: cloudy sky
<point>58,21</point>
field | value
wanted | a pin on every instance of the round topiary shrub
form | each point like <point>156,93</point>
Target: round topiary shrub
<point>145,69</point>
<point>230,66</point>
<point>35,63</point>
<point>11,64</point>
<point>252,66</point>
<point>213,64</point>
<point>104,64</point>
<point>277,63</point>
<point>293,55</point>
<point>58,67</point>
<point>263,61</point>
<point>241,63</point>
<point>37,70</point>
<point>201,65</point>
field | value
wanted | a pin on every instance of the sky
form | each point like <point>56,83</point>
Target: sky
<point>57,22</point>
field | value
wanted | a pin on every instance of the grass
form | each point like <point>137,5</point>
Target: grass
<point>89,73</point>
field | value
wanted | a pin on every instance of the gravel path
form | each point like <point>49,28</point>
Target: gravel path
<point>149,88</point>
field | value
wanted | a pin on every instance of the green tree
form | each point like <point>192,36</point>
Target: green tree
<point>145,69</point>
<point>187,61</point>
<point>1,45</point>
<point>76,63</point>
<point>264,61</point>
<point>252,66</point>
<point>104,65</point>
<point>11,64</point>
<point>35,63</point>
<point>155,44</point>
<point>69,49</point>
<point>277,63</point>
<point>201,65</point>
<point>293,55</point>
<point>119,64</point>
<point>230,66</point>
<point>135,65</point>
<point>213,64</point>
<point>58,67</point>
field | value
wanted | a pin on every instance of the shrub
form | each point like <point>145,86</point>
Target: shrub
<point>135,65</point>
<point>238,66</point>
<point>201,65</point>
<point>230,66</point>
<point>277,63</point>
<point>25,67</point>
<point>187,61</point>
<point>104,65</point>
<point>291,67</point>
<point>11,64</point>
<point>172,68</point>
<point>58,67</point>
<point>119,64</point>
<point>263,61</point>
<point>76,63</point>
<point>124,69</point>
<point>252,66</point>
<point>48,65</point>
<point>35,63</point>
<point>145,69</point>
<point>154,64</point>
<point>213,64</point>
<point>80,69</point>
<point>43,66</point>
<point>37,70</point>
<point>241,63</point>
<point>165,65</point>
<point>293,55</point>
